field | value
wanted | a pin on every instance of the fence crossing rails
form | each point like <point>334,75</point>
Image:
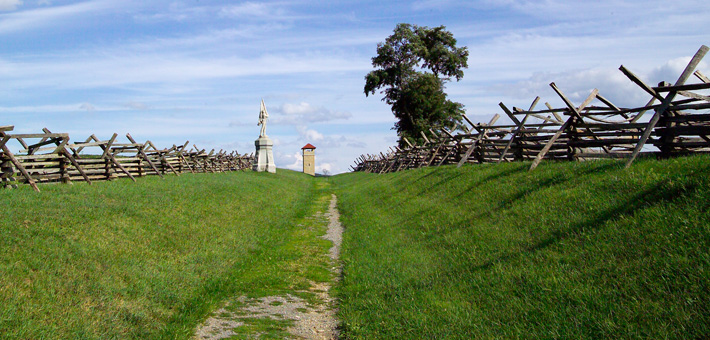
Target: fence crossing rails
<point>594,129</point>
<point>51,157</point>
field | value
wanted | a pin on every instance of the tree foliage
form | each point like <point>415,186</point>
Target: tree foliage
<point>416,96</point>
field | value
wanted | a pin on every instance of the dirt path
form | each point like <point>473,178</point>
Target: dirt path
<point>300,318</point>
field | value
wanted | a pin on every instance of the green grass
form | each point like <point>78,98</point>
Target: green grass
<point>572,250</point>
<point>296,263</point>
<point>148,260</point>
<point>262,328</point>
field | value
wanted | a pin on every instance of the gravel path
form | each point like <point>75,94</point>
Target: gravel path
<point>335,232</point>
<point>307,321</point>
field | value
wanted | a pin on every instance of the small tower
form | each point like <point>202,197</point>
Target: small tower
<point>309,159</point>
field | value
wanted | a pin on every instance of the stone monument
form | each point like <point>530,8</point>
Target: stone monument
<point>264,156</point>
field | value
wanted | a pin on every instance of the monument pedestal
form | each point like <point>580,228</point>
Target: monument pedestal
<point>264,157</point>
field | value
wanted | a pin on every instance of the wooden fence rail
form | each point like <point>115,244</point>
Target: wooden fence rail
<point>675,120</point>
<point>51,157</point>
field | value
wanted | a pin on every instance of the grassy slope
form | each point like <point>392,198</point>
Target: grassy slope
<point>571,250</point>
<point>143,260</point>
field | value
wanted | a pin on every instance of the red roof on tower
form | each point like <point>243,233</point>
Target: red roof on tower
<point>308,146</point>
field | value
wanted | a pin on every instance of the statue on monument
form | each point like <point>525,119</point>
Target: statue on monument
<point>263,117</point>
<point>264,156</point>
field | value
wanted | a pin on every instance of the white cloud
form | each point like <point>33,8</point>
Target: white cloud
<point>576,85</point>
<point>309,134</point>
<point>260,11</point>
<point>115,68</point>
<point>422,5</point>
<point>176,11</point>
<point>249,10</point>
<point>297,161</point>
<point>87,106</point>
<point>612,83</point>
<point>295,114</point>
<point>41,108</point>
<point>671,70</point>
<point>9,5</point>
<point>42,17</point>
<point>323,167</point>
<point>137,106</point>
<point>617,10</point>
<point>297,109</point>
<point>333,152</point>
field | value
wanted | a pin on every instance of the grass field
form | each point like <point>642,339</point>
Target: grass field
<point>149,260</point>
<point>572,250</point>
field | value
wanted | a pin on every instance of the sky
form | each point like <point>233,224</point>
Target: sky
<point>177,71</point>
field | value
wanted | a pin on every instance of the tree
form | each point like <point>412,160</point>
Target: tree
<point>417,97</point>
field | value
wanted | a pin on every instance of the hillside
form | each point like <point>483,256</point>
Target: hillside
<point>571,250</point>
<point>151,260</point>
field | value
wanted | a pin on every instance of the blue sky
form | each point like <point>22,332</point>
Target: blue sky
<point>172,71</point>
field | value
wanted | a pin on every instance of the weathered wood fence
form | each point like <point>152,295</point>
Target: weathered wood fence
<point>51,157</point>
<point>679,124</point>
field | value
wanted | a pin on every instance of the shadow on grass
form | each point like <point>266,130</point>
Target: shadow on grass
<point>664,192</point>
<point>604,167</point>
<point>445,175</point>
<point>495,176</point>
<point>661,193</point>
<point>507,200</point>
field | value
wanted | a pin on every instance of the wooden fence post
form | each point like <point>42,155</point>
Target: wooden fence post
<point>666,102</point>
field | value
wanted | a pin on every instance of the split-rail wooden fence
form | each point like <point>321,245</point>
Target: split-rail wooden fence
<point>52,157</point>
<point>679,124</point>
